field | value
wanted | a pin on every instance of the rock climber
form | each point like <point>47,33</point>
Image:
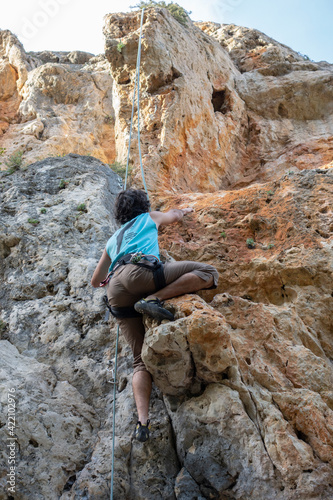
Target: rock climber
<point>138,282</point>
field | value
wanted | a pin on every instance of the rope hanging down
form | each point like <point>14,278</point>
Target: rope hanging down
<point>136,85</point>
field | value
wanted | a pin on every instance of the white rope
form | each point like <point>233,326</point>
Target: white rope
<point>114,412</point>
<point>136,85</point>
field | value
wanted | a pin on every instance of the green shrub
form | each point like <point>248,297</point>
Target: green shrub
<point>250,243</point>
<point>33,221</point>
<point>2,151</point>
<point>178,12</point>
<point>120,169</point>
<point>43,210</point>
<point>63,184</point>
<point>14,162</point>
<point>82,207</point>
<point>223,234</point>
<point>120,46</point>
<point>108,119</point>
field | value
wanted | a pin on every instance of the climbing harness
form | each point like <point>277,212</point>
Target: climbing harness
<point>136,86</point>
<point>139,259</point>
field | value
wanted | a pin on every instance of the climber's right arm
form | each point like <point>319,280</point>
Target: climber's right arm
<point>101,270</point>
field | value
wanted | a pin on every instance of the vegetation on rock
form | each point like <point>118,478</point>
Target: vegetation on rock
<point>14,162</point>
<point>178,12</point>
<point>120,169</point>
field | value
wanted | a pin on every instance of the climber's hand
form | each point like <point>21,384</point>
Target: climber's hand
<point>187,210</point>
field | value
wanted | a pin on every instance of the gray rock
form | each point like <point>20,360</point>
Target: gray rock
<point>57,350</point>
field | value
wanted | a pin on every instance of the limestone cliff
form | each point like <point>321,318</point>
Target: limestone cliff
<point>52,104</point>
<point>212,122</point>
<point>240,128</point>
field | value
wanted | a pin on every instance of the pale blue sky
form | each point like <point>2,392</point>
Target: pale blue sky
<point>304,25</point>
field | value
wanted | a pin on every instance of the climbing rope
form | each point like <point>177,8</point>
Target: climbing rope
<point>114,411</point>
<point>136,86</point>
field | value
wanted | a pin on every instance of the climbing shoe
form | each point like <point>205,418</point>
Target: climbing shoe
<point>153,308</point>
<point>141,432</point>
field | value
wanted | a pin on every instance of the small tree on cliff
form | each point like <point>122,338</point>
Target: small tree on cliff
<point>178,12</point>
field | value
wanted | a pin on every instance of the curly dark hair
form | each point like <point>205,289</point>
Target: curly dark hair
<point>131,203</point>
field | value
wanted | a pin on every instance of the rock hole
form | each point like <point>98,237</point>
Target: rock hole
<point>70,482</point>
<point>322,234</point>
<point>221,101</point>
<point>175,73</point>
<point>282,111</point>
<point>247,297</point>
<point>301,435</point>
<point>33,443</point>
<point>4,250</point>
<point>248,361</point>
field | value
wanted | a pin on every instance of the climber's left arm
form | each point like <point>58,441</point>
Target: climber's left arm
<point>173,215</point>
<point>101,270</point>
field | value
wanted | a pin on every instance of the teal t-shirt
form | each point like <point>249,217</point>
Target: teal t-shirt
<point>137,235</point>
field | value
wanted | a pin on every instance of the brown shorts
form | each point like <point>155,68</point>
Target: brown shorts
<point>131,283</point>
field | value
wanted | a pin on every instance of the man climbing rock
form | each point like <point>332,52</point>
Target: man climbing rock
<point>138,282</point>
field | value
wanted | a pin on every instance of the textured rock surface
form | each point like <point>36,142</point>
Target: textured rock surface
<point>242,405</point>
<point>262,415</point>
<point>56,348</point>
<point>288,98</point>
<point>54,103</point>
<point>207,123</point>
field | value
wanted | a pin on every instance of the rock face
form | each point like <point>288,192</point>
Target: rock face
<point>239,127</point>
<point>54,103</point>
<point>209,122</point>
<point>56,348</point>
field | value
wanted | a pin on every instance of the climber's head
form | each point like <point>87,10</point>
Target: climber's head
<point>131,203</point>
